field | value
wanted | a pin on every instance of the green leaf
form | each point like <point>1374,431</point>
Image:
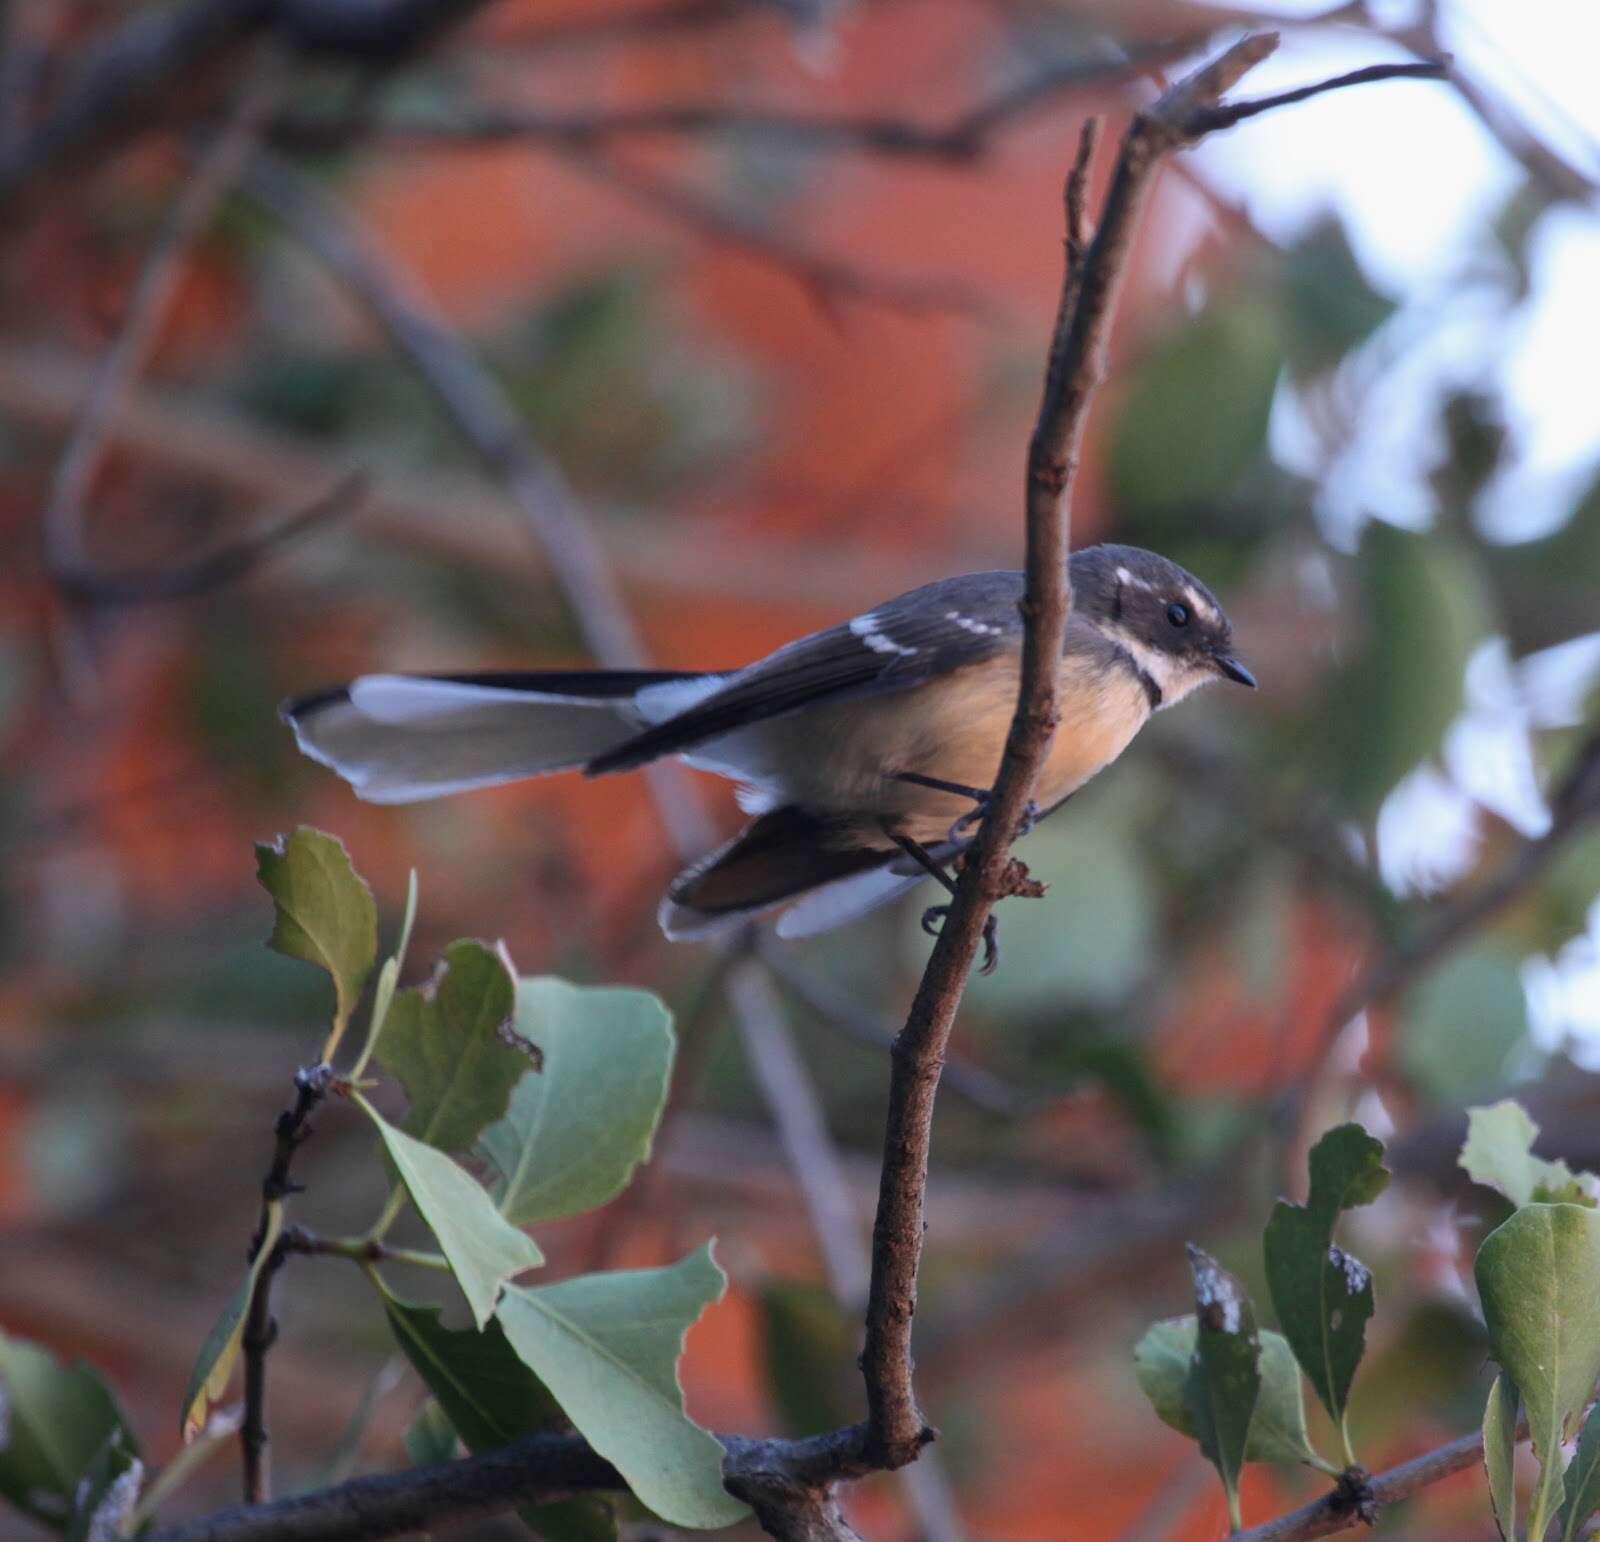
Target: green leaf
<point>1464,1024</point>
<point>1427,608</point>
<point>1500,1453</point>
<point>1162,1360</point>
<point>451,1044</point>
<point>1498,1153</point>
<point>490,1398</point>
<point>1331,306</point>
<point>430,1437</point>
<point>1323,1296</point>
<point>1224,1381</point>
<point>1539,1280</point>
<point>575,1133</point>
<point>214,1369</point>
<point>483,1248</point>
<point>1582,1481</point>
<point>325,913</point>
<point>607,1347</point>
<point>57,1420</point>
<point>1193,419</point>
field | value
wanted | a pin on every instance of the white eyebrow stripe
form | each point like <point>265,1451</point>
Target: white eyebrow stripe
<point>1126,577</point>
<point>1200,604</point>
<point>968,624</point>
<point>867,629</point>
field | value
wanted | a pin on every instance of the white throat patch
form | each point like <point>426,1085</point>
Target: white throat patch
<point>1173,675</point>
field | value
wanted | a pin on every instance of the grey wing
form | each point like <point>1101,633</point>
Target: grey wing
<point>915,637</point>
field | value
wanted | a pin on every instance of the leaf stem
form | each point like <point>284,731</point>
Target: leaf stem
<point>390,1213</point>
<point>360,1250</point>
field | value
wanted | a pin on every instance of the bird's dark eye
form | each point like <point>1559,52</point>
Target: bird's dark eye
<point>1178,614</point>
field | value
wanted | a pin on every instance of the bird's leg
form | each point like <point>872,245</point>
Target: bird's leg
<point>981,797</point>
<point>934,914</point>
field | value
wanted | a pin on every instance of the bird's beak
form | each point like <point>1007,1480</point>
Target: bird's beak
<point>1234,670</point>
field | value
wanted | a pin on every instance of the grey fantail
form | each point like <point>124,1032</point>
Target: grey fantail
<point>861,750</point>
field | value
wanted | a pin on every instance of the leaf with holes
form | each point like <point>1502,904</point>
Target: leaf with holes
<point>607,1347</point>
<point>576,1132</point>
<point>1162,1360</point>
<point>1498,1153</point>
<point>1224,1381</point>
<point>1323,1295</point>
<point>325,913</point>
<point>452,1045</point>
<point>1539,1279</point>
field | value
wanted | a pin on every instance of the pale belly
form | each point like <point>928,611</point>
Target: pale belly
<point>954,730</point>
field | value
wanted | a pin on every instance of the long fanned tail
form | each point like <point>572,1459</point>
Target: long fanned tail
<point>402,738</point>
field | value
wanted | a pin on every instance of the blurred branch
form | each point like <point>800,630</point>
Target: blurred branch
<point>1537,158</point>
<point>43,388</point>
<point>964,138</point>
<point>1574,806</point>
<point>840,1011</point>
<point>488,422</point>
<point>217,170</point>
<point>216,568</point>
<point>612,24</point>
<point>126,79</point>
<point>828,280</point>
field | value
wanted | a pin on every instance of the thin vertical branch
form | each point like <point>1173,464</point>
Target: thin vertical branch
<point>1075,368</point>
<point>291,1131</point>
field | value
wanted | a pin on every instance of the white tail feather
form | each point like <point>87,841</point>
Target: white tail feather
<point>400,740</point>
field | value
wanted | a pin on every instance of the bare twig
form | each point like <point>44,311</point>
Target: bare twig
<point>1225,115</point>
<point>1323,1517</point>
<point>1076,366</point>
<point>289,1134</point>
<point>65,543</point>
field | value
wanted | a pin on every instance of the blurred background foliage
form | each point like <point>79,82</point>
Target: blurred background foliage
<point>789,370</point>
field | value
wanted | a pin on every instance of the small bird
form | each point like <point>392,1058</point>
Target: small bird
<point>865,751</point>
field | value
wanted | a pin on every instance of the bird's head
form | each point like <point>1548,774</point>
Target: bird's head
<point>1165,618</point>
